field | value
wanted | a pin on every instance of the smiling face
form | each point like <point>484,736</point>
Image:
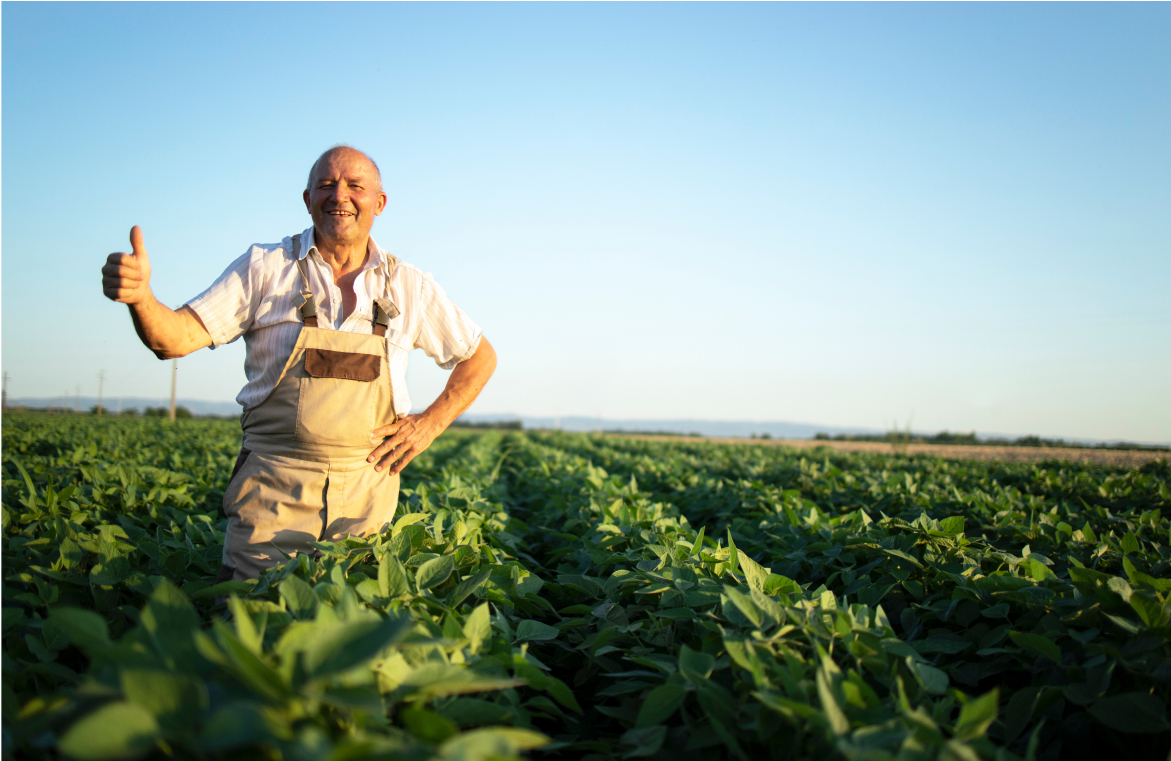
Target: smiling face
<point>344,196</point>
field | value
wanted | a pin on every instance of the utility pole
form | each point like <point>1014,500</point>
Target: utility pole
<point>101,380</point>
<point>4,398</point>
<point>174,372</point>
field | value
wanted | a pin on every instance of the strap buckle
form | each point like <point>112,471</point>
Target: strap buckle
<point>384,311</point>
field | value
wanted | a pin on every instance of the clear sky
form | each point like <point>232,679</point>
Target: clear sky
<point>845,214</point>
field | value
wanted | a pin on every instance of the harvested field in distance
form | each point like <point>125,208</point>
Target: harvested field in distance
<point>1121,458</point>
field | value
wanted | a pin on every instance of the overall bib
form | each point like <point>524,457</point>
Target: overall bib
<point>302,474</point>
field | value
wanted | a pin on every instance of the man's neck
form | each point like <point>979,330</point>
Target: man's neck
<point>342,257</point>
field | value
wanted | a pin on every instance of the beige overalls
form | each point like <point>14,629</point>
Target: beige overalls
<point>302,474</point>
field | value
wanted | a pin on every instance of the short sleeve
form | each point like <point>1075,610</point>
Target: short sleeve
<point>228,307</point>
<point>446,334</point>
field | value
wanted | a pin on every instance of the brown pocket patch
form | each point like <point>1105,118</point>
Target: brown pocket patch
<point>323,363</point>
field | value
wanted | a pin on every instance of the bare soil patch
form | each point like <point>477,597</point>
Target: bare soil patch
<point>1122,458</point>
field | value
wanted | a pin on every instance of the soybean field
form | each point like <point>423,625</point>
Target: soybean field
<point>574,596</point>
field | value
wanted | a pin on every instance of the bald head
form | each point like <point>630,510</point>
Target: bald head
<point>337,150</point>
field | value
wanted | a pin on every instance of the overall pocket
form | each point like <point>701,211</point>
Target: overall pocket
<point>337,398</point>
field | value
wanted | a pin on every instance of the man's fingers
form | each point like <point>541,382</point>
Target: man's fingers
<point>388,459</point>
<point>386,446</point>
<point>137,244</point>
<point>402,455</point>
<point>402,463</point>
<point>126,272</point>
<point>384,431</point>
<point>121,295</point>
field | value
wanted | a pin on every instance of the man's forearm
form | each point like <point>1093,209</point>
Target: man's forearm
<point>166,332</point>
<point>465,384</point>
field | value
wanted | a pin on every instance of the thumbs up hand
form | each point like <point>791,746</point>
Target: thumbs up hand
<point>126,277</point>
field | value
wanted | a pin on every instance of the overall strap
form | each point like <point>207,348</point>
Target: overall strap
<point>384,308</point>
<point>308,305</point>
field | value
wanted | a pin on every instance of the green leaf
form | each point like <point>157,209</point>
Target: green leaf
<point>745,605</point>
<point>953,526</point>
<point>245,664</point>
<point>392,577</point>
<point>84,628</point>
<point>174,699</point>
<point>222,589</point>
<point>434,572</point>
<point>977,715</point>
<point>299,597</point>
<point>476,711</point>
<point>999,610</point>
<point>340,647</point>
<point>1153,613</point>
<point>407,520</point>
<point>1132,712</point>
<point>697,545</point>
<point>1088,533</point>
<point>1037,643</point>
<point>466,587</point>
<point>433,680</point>
<point>646,741</point>
<point>663,701</point>
<point>116,730</point>
<point>754,573</point>
<point>734,556</point>
<point>829,706</point>
<point>940,645</point>
<point>932,679</point>
<point>478,628</point>
<point>236,724</point>
<point>400,546</point>
<point>561,693</point>
<point>428,725</point>
<point>535,630</point>
<point>776,583</point>
<point>695,662</point>
<point>170,620</point>
<point>71,554</point>
<point>490,743</point>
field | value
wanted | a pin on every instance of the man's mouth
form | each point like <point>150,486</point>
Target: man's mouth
<point>340,213</point>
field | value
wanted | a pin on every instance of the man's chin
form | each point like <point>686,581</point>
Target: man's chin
<point>342,231</point>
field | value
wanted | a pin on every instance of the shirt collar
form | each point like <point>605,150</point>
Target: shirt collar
<point>378,257</point>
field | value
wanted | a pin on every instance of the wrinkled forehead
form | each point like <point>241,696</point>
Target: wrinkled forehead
<point>343,162</point>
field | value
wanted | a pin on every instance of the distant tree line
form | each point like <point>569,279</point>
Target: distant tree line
<point>970,439</point>
<point>652,433</point>
<point>507,425</point>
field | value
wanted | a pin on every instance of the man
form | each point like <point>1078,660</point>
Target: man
<point>328,318</point>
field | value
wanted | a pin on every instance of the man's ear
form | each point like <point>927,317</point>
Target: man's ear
<point>305,197</point>
<point>381,204</point>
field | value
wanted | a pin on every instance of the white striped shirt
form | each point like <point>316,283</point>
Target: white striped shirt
<point>256,298</point>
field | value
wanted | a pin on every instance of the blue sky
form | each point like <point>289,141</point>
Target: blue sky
<point>831,213</point>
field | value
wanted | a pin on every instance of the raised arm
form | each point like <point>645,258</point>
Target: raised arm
<point>166,332</point>
<point>414,433</point>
